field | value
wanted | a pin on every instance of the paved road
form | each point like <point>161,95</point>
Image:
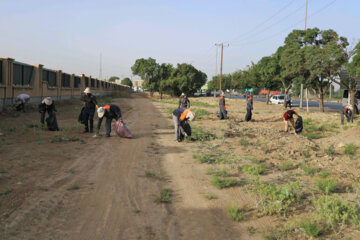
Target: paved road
<point>295,103</point>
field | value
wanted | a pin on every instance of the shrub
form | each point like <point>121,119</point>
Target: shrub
<point>254,170</point>
<point>223,182</point>
<point>236,213</point>
<point>326,185</point>
<point>165,196</point>
<point>309,170</point>
<point>220,173</point>
<point>311,228</point>
<point>350,149</point>
<point>336,213</point>
<point>284,166</point>
<point>324,173</point>
<point>330,151</point>
<point>276,199</point>
<point>244,142</point>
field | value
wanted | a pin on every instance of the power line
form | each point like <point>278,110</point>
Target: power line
<point>266,28</point>
<point>293,25</point>
<point>265,21</point>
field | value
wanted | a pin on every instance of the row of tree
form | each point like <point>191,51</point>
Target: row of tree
<point>165,78</point>
<point>313,57</point>
<point>126,81</point>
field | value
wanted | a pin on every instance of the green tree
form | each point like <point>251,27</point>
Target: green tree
<point>269,73</point>
<point>127,82</point>
<point>226,82</point>
<point>148,70</point>
<point>185,78</point>
<point>113,79</point>
<point>165,71</point>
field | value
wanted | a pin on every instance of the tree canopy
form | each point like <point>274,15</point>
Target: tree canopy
<point>127,82</point>
<point>113,79</point>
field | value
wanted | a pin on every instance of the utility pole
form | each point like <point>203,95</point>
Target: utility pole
<point>306,10</point>
<point>221,63</point>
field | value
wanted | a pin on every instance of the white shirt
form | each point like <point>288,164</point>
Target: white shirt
<point>23,98</point>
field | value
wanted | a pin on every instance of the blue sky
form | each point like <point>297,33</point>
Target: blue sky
<point>70,35</point>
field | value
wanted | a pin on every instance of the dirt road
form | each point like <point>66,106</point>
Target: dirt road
<point>107,188</point>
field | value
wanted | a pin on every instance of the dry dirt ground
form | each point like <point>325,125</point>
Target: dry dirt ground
<point>69,185</point>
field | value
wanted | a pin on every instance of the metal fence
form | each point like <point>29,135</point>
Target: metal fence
<point>92,82</point>
<point>22,74</point>
<point>77,82</point>
<point>65,80</point>
<point>1,72</point>
<point>97,83</point>
<point>49,76</point>
<point>86,81</point>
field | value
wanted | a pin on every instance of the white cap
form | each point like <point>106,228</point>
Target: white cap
<point>183,94</point>
<point>87,90</point>
<point>190,116</point>
<point>101,112</point>
<point>47,101</point>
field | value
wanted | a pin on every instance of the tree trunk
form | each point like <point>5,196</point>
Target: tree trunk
<point>320,97</point>
<point>161,95</point>
<point>267,97</point>
<point>285,93</point>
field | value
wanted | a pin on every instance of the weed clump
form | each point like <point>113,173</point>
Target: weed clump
<point>326,185</point>
<point>5,192</point>
<point>236,213</point>
<point>350,149</point>
<point>223,182</point>
<point>165,196</point>
<point>74,187</point>
<point>330,151</point>
<point>284,166</point>
<point>198,134</point>
<point>309,170</point>
<point>311,228</point>
<point>220,173</point>
<point>244,142</point>
<point>254,170</point>
<point>277,199</point>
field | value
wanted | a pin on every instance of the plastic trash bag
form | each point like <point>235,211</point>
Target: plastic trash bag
<point>299,125</point>
<point>121,129</point>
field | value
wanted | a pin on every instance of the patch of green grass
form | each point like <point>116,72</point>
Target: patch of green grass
<point>244,142</point>
<point>219,173</point>
<point>326,185</point>
<point>254,170</point>
<point>223,182</point>
<point>265,149</point>
<point>170,110</point>
<point>336,213</point>
<point>2,170</point>
<point>330,151</point>
<point>198,134</point>
<point>169,101</point>
<point>200,113</point>
<point>276,199</point>
<point>306,154</point>
<point>74,187</point>
<point>201,104</point>
<point>350,149</point>
<point>71,170</point>
<point>153,175</point>
<point>309,170</point>
<point>324,173</point>
<point>165,196</point>
<point>236,213</point>
<point>210,197</point>
<point>311,228</point>
<point>5,192</point>
<point>251,230</point>
<point>284,166</point>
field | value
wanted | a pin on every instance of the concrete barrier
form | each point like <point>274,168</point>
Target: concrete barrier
<point>39,82</point>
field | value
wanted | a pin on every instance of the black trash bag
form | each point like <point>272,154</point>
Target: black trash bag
<point>81,118</point>
<point>184,130</point>
<point>299,125</point>
<point>52,123</point>
<point>248,116</point>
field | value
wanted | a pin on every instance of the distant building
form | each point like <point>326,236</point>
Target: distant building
<point>138,83</point>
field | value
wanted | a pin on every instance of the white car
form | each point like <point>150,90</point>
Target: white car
<point>277,99</point>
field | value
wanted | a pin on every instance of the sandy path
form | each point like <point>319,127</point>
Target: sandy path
<point>116,201</point>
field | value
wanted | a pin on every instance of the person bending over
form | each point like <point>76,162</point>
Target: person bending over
<point>110,112</point>
<point>179,116</point>
<point>288,116</point>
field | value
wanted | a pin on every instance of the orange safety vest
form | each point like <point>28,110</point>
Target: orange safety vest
<point>183,115</point>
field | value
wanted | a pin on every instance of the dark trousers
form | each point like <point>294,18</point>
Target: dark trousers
<point>288,104</point>
<point>108,125</point>
<point>347,114</point>
<point>42,117</point>
<point>89,117</point>
<point>222,114</point>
